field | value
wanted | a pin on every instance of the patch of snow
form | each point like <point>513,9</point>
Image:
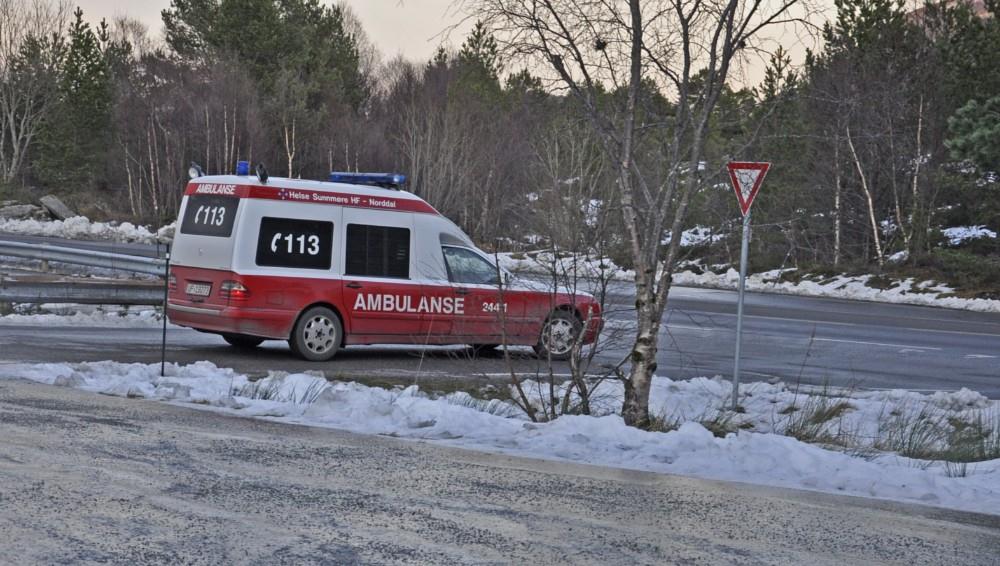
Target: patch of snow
<point>85,316</point>
<point>958,234</point>
<point>751,457</point>
<point>898,257</point>
<point>82,228</point>
<point>907,291</point>
<point>696,236</point>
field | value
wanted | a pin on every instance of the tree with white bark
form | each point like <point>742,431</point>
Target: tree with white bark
<point>648,75</point>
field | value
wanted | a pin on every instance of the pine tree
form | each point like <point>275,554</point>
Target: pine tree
<point>74,141</point>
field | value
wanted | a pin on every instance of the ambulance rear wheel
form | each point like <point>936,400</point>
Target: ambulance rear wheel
<point>484,350</point>
<point>317,335</point>
<point>242,340</point>
<point>559,335</point>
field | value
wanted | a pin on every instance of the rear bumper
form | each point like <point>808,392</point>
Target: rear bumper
<point>266,323</point>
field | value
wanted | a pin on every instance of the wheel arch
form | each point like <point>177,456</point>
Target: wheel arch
<point>326,304</point>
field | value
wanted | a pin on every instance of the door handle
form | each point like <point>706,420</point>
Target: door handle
<point>461,291</point>
<point>353,285</point>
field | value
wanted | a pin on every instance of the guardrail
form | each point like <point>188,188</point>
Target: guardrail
<point>84,292</point>
<point>91,258</point>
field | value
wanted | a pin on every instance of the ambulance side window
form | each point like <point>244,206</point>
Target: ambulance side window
<point>466,266</point>
<point>377,251</point>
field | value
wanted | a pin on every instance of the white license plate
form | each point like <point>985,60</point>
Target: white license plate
<point>200,289</point>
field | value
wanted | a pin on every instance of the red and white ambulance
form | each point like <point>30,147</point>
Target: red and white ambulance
<point>330,264</point>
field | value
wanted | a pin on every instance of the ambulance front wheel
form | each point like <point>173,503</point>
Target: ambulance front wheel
<point>317,335</point>
<point>559,335</point>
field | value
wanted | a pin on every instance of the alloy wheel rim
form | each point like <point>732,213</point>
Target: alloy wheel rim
<point>559,336</point>
<point>319,335</point>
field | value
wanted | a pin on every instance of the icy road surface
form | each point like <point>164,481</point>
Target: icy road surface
<point>91,478</point>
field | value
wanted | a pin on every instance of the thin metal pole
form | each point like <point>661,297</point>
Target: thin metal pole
<point>744,253</point>
<point>163,339</point>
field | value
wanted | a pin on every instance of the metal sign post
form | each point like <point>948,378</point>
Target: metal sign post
<point>163,337</point>
<point>746,178</point>
<point>744,252</point>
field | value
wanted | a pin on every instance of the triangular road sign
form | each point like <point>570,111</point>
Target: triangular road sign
<point>747,177</point>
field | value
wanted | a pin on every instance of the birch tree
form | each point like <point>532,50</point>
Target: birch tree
<point>648,75</point>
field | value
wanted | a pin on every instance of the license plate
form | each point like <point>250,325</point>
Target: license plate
<point>200,289</point>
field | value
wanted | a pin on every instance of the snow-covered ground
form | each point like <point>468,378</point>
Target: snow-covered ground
<point>760,456</point>
<point>82,228</point>
<point>959,234</point>
<point>907,291</point>
<point>83,315</point>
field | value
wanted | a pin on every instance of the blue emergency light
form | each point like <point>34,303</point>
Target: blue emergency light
<point>242,167</point>
<point>385,180</point>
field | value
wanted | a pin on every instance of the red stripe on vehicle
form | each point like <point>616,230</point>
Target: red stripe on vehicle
<point>312,196</point>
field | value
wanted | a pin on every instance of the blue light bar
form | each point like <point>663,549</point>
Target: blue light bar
<point>386,180</point>
<point>242,167</point>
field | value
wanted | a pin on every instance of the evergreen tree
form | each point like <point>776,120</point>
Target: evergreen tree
<point>975,133</point>
<point>74,140</point>
<point>273,38</point>
<point>479,63</point>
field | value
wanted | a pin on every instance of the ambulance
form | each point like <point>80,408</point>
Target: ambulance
<point>353,260</point>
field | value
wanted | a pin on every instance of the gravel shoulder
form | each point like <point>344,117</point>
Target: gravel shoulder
<point>86,478</point>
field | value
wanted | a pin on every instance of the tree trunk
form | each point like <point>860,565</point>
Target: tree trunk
<point>868,197</point>
<point>918,232</point>
<point>836,202</point>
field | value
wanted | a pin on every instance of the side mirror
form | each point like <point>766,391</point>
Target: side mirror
<point>508,278</point>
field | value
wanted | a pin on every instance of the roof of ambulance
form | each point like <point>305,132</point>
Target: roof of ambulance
<point>285,183</point>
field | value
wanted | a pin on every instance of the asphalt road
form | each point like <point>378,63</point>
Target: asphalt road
<point>795,339</point>
<point>95,479</point>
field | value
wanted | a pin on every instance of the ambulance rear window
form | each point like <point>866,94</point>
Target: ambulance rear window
<point>377,251</point>
<point>210,215</point>
<point>290,242</point>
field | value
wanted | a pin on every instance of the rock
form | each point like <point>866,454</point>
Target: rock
<point>19,211</point>
<point>56,207</point>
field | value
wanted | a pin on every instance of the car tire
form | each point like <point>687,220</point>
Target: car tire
<point>484,350</point>
<point>242,341</point>
<point>559,333</point>
<point>317,335</point>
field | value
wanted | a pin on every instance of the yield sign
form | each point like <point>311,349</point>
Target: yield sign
<point>747,177</point>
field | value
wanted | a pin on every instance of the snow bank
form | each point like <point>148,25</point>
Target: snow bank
<point>75,315</point>
<point>907,291</point>
<point>457,420</point>
<point>82,228</point>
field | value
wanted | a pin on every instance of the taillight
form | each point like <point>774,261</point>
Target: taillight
<point>172,282</point>
<point>233,290</point>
